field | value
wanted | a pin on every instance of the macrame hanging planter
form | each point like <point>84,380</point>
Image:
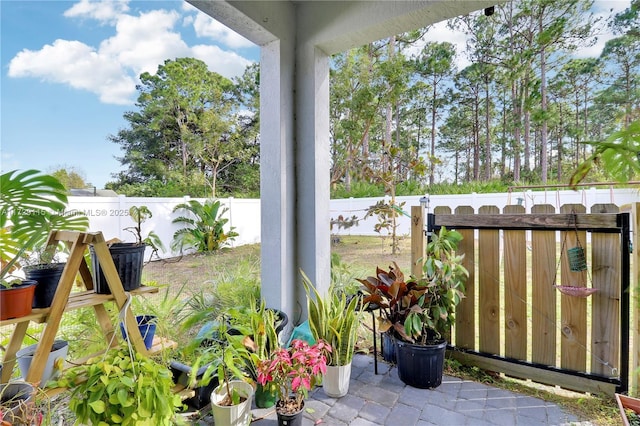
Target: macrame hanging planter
<point>577,263</point>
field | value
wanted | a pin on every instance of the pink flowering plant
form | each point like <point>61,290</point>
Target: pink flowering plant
<point>294,371</point>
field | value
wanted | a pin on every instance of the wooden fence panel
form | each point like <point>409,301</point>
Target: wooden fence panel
<point>489,285</point>
<point>466,311</point>
<point>543,316</point>
<point>605,327</point>
<point>542,325</point>
<point>573,309</point>
<point>515,289</point>
<point>634,349</point>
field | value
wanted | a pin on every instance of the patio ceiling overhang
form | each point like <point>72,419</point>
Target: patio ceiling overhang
<point>296,40</point>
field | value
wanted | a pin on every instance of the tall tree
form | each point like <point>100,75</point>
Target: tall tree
<point>71,177</point>
<point>560,26</point>
<point>185,129</point>
<point>435,64</point>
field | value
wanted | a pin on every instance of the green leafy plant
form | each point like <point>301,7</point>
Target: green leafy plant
<point>33,204</point>
<point>421,309</point>
<point>333,319</point>
<point>42,257</point>
<point>619,155</point>
<point>226,358</point>
<point>203,227</point>
<point>120,387</point>
<point>140,215</point>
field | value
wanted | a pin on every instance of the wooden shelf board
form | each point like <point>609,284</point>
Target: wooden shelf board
<point>81,299</point>
<point>160,344</point>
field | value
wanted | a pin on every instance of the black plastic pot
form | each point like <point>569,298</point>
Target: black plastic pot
<point>202,395</point>
<point>294,419</point>
<point>48,277</point>
<point>128,259</point>
<point>420,366</point>
<point>388,348</point>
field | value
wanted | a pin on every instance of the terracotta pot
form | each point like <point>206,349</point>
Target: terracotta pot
<point>16,301</point>
<point>628,403</point>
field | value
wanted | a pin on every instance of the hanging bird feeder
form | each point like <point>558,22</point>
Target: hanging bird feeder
<point>577,263</point>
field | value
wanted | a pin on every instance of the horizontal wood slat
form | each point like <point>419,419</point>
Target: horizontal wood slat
<point>601,222</point>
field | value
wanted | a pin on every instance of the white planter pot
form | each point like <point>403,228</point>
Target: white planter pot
<point>235,415</point>
<point>25,356</point>
<point>335,381</point>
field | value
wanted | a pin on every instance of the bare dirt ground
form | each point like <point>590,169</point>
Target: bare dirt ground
<point>360,254</point>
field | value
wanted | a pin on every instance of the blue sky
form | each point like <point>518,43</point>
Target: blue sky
<point>69,70</point>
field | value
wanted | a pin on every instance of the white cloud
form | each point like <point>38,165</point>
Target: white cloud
<point>143,42</point>
<point>104,11</point>
<point>140,44</point>
<point>228,64</point>
<point>602,11</point>
<point>439,32</point>
<point>205,26</point>
<point>78,65</point>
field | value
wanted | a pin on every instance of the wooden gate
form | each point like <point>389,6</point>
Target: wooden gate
<point>525,313</point>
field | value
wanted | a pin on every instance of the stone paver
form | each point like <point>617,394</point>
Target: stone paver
<point>384,400</point>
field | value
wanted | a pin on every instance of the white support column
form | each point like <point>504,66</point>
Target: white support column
<point>313,162</point>
<point>277,177</point>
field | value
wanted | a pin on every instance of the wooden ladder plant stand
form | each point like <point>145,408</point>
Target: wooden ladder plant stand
<point>64,300</point>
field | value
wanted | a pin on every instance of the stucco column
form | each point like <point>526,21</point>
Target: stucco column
<point>313,162</point>
<point>277,177</point>
<point>294,163</point>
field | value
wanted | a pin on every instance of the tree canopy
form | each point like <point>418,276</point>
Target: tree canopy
<point>516,106</point>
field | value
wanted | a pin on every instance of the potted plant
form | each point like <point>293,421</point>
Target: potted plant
<point>261,338</point>
<point>256,328</point>
<point>147,327</point>
<point>128,257</point>
<point>121,387</point>
<point>31,203</point>
<point>226,362</point>
<point>334,320</point>
<point>294,371</point>
<point>55,360</point>
<point>44,266</point>
<point>420,311</point>
<point>16,298</point>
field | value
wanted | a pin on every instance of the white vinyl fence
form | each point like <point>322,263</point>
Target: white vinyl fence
<point>111,214</point>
